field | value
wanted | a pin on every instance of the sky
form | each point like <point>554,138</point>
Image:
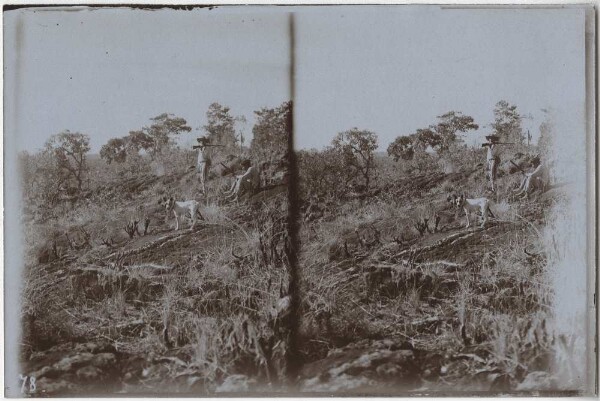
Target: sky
<point>393,69</point>
<point>105,72</point>
<point>388,69</point>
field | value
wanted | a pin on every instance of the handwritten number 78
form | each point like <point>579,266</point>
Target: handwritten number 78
<point>24,384</point>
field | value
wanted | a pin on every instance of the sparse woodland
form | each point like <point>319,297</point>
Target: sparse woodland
<point>394,293</point>
<point>115,299</point>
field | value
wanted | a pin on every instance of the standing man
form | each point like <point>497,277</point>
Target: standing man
<point>203,163</point>
<point>493,158</point>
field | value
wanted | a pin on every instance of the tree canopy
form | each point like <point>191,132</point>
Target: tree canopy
<point>439,137</point>
<point>507,123</point>
<point>69,150</point>
<point>220,126</point>
<point>153,139</point>
<point>357,148</point>
<point>271,131</point>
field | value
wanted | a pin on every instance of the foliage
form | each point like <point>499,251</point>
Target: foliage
<point>439,138</point>
<point>221,127</point>
<point>507,123</point>
<point>357,148</point>
<point>401,148</point>
<point>39,177</point>
<point>69,150</point>
<point>271,132</point>
<point>160,132</point>
<point>322,173</point>
<point>114,150</point>
<point>153,140</point>
<point>448,127</point>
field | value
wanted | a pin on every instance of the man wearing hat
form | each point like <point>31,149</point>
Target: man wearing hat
<point>493,157</point>
<point>203,163</point>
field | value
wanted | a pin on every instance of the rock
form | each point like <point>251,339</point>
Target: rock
<point>72,368</point>
<point>89,373</point>
<point>71,362</point>
<point>537,381</point>
<point>388,370</point>
<point>103,360</point>
<point>45,371</point>
<point>365,366</point>
<point>47,386</point>
<point>342,383</point>
<point>235,384</point>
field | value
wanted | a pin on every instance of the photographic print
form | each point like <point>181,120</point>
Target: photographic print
<point>443,163</point>
<point>151,147</point>
<point>295,200</point>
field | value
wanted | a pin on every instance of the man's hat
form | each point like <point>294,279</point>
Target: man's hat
<point>202,139</point>
<point>492,138</point>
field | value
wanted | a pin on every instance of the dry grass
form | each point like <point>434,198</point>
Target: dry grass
<point>207,300</point>
<point>495,305</point>
<point>208,297</point>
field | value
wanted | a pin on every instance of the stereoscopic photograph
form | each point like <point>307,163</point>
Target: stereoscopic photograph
<point>319,201</point>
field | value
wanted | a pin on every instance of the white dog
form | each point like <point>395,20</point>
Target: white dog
<point>537,178</point>
<point>182,208</point>
<point>481,205</point>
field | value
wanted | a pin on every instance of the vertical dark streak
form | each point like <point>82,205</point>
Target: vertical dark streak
<point>293,361</point>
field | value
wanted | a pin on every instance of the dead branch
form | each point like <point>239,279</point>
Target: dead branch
<point>463,335</point>
<point>108,242</point>
<point>240,258</point>
<point>346,251</point>
<point>131,228</point>
<point>55,251</point>
<point>377,237</point>
<point>119,261</point>
<point>69,242</point>
<point>437,222</point>
<point>422,226</point>
<point>86,238</point>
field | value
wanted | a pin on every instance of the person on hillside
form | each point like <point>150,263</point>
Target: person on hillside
<point>204,160</point>
<point>493,158</point>
<point>248,182</point>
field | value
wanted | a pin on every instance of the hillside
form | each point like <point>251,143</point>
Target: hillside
<point>396,295</point>
<point>387,310</point>
<point>163,311</point>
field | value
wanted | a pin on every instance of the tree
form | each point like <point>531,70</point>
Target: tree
<point>357,148</point>
<point>69,150</point>
<point>271,132</point>
<point>402,148</point>
<point>507,123</point>
<point>322,173</point>
<point>221,126</point>
<point>439,137</point>
<point>426,138</point>
<point>137,141</point>
<point>160,132</point>
<point>447,129</point>
<point>114,150</point>
<point>152,140</point>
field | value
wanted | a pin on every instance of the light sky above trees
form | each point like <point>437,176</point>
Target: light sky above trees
<point>105,72</point>
<point>390,70</point>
